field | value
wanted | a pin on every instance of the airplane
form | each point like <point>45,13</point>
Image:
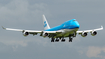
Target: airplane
<point>67,29</point>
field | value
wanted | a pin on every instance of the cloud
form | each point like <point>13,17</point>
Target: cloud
<point>19,11</point>
<point>28,13</point>
<point>13,41</point>
<point>95,52</point>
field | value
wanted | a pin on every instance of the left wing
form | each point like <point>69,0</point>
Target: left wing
<point>86,31</point>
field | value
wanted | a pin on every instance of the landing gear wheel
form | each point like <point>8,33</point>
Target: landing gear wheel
<point>70,40</point>
<point>52,40</point>
<point>57,40</point>
<point>63,40</point>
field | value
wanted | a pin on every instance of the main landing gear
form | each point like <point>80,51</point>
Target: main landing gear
<point>53,39</point>
<point>70,39</point>
<point>62,40</point>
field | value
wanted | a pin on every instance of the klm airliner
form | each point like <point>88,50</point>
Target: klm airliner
<point>67,29</point>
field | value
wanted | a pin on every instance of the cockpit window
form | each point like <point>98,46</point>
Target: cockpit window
<point>74,20</point>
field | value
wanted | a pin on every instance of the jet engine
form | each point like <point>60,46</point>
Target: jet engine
<point>93,33</point>
<point>45,34</point>
<point>84,34</point>
<point>25,33</point>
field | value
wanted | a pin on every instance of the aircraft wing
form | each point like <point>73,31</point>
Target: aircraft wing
<point>32,31</point>
<point>12,29</point>
<point>90,30</point>
<point>21,30</point>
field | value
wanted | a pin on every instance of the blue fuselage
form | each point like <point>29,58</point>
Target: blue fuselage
<point>71,24</point>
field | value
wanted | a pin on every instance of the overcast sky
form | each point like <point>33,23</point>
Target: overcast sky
<point>27,14</point>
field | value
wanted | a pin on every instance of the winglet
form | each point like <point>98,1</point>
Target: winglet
<point>3,27</point>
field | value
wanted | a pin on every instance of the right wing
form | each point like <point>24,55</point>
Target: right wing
<point>25,32</point>
<point>12,29</point>
<point>34,32</point>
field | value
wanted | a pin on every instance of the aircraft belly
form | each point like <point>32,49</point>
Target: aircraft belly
<point>66,32</point>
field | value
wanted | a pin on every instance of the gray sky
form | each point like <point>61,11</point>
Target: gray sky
<point>27,14</point>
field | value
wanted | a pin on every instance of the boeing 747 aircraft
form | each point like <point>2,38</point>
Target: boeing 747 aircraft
<point>67,29</point>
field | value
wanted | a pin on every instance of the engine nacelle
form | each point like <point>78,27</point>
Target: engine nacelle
<point>93,33</point>
<point>84,34</point>
<point>25,33</point>
<point>45,34</point>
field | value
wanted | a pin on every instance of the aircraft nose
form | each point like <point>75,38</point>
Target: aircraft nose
<point>77,25</point>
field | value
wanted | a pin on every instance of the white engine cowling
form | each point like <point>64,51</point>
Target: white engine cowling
<point>45,34</point>
<point>93,33</point>
<point>84,34</point>
<point>25,33</point>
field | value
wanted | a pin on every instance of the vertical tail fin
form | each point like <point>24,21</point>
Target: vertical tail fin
<point>45,23</point>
